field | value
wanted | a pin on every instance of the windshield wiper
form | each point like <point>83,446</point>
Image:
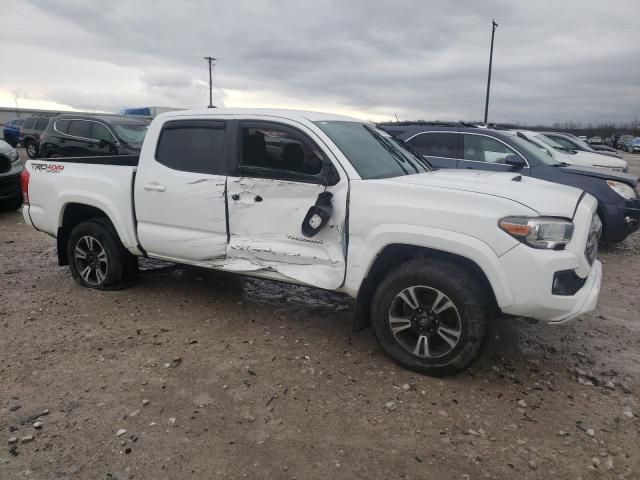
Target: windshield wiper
<point>396,156</point>
<point>423,161</point>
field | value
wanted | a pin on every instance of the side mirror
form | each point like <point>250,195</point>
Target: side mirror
<point>516,162</point>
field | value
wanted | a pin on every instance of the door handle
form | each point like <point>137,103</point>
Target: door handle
<point>154,187</point>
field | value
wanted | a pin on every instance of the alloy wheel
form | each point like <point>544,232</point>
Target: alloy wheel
<point>91,260</point>
<point>425,321</point>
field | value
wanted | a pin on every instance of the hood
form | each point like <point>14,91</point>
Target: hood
<point>546,198</point>
<point>602,173</point>
<point>5,147</point>
<point>590,159</point>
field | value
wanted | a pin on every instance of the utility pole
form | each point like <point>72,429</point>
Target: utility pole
<point>210,60</point>
<point>486,105</point>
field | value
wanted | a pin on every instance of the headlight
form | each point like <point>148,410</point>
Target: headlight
<point>622,189</point>
<point>539,232</point>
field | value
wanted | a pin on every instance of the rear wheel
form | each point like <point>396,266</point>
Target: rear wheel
<point>32,148</point>
<point>97,258</point>
<point>430,316</point>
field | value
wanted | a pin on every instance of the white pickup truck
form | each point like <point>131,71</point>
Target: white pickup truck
<point>332,202</point>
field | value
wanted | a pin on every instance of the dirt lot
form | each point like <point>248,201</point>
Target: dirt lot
<point>216,376</point>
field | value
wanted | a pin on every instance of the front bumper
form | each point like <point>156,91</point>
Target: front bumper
<point>531,274</point>
<point>620,220</point>
<point>532,287</point>
<point>10,186</point>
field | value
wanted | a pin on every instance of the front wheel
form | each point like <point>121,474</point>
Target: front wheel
<point>430,316</point>
<point>97,258</point>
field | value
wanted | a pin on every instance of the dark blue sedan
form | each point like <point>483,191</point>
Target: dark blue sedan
<point>456,145</point>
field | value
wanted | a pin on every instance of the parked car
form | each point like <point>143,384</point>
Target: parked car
<point>574,143</point>
<point>335,203</point>
<point>468,147</point>
<point>573,157</point>
<point>624,141</point>
<point>30,133</point>
<point>634,145</point>
<point>11,131</point>
<point>614,140</point>
<point>10,171</point>
<point>70,135</point>
<point>583,138</point>
<point>603,148</point>
<point>595,140</point>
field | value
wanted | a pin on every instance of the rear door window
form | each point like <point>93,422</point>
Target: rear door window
<point>29,123</point>
<point>193,146</point>
<point>436,144</point>
<point>80,128</point>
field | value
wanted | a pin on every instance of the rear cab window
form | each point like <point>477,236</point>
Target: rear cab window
<point>193,146</point>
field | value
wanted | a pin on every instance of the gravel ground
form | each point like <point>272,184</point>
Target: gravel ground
<point>199,374</point>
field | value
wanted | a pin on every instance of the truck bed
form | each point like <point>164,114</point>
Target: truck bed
<point>59,187</point>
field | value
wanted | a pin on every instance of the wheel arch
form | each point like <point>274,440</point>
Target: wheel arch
<point>395,254</point>
<point>73,214</point>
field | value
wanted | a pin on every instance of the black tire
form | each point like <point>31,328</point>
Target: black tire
<point>470,312</point>
<point>118,267</point>
<point>32,148</point>
<point>11,204</point>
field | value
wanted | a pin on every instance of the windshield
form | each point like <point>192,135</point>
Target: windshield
<point>534,150</point>
<point>551,142</point>
<point>371,151</point>
<point>131,131</point>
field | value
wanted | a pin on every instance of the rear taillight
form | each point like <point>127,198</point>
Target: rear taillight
<point>24,183</point>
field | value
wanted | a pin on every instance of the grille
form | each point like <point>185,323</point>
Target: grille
<point>591,250</point>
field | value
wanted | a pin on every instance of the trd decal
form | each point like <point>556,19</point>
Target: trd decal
<point>46,167</point>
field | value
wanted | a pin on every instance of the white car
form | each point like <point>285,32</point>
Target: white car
<point>572,157</point>
<point>335,203</point>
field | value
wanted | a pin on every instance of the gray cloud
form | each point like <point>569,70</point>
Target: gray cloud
<point>553,62</point>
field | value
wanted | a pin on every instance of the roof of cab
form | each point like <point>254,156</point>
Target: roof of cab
<point>270,112</point>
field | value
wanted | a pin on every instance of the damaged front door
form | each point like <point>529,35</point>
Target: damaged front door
<point>279,175</point>
<point>180,195</point>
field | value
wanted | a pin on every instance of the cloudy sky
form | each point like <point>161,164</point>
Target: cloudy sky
<point>554,60</point>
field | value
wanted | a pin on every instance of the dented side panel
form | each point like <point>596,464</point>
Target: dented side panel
<point>186,221</point>
<point>265,219</point>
